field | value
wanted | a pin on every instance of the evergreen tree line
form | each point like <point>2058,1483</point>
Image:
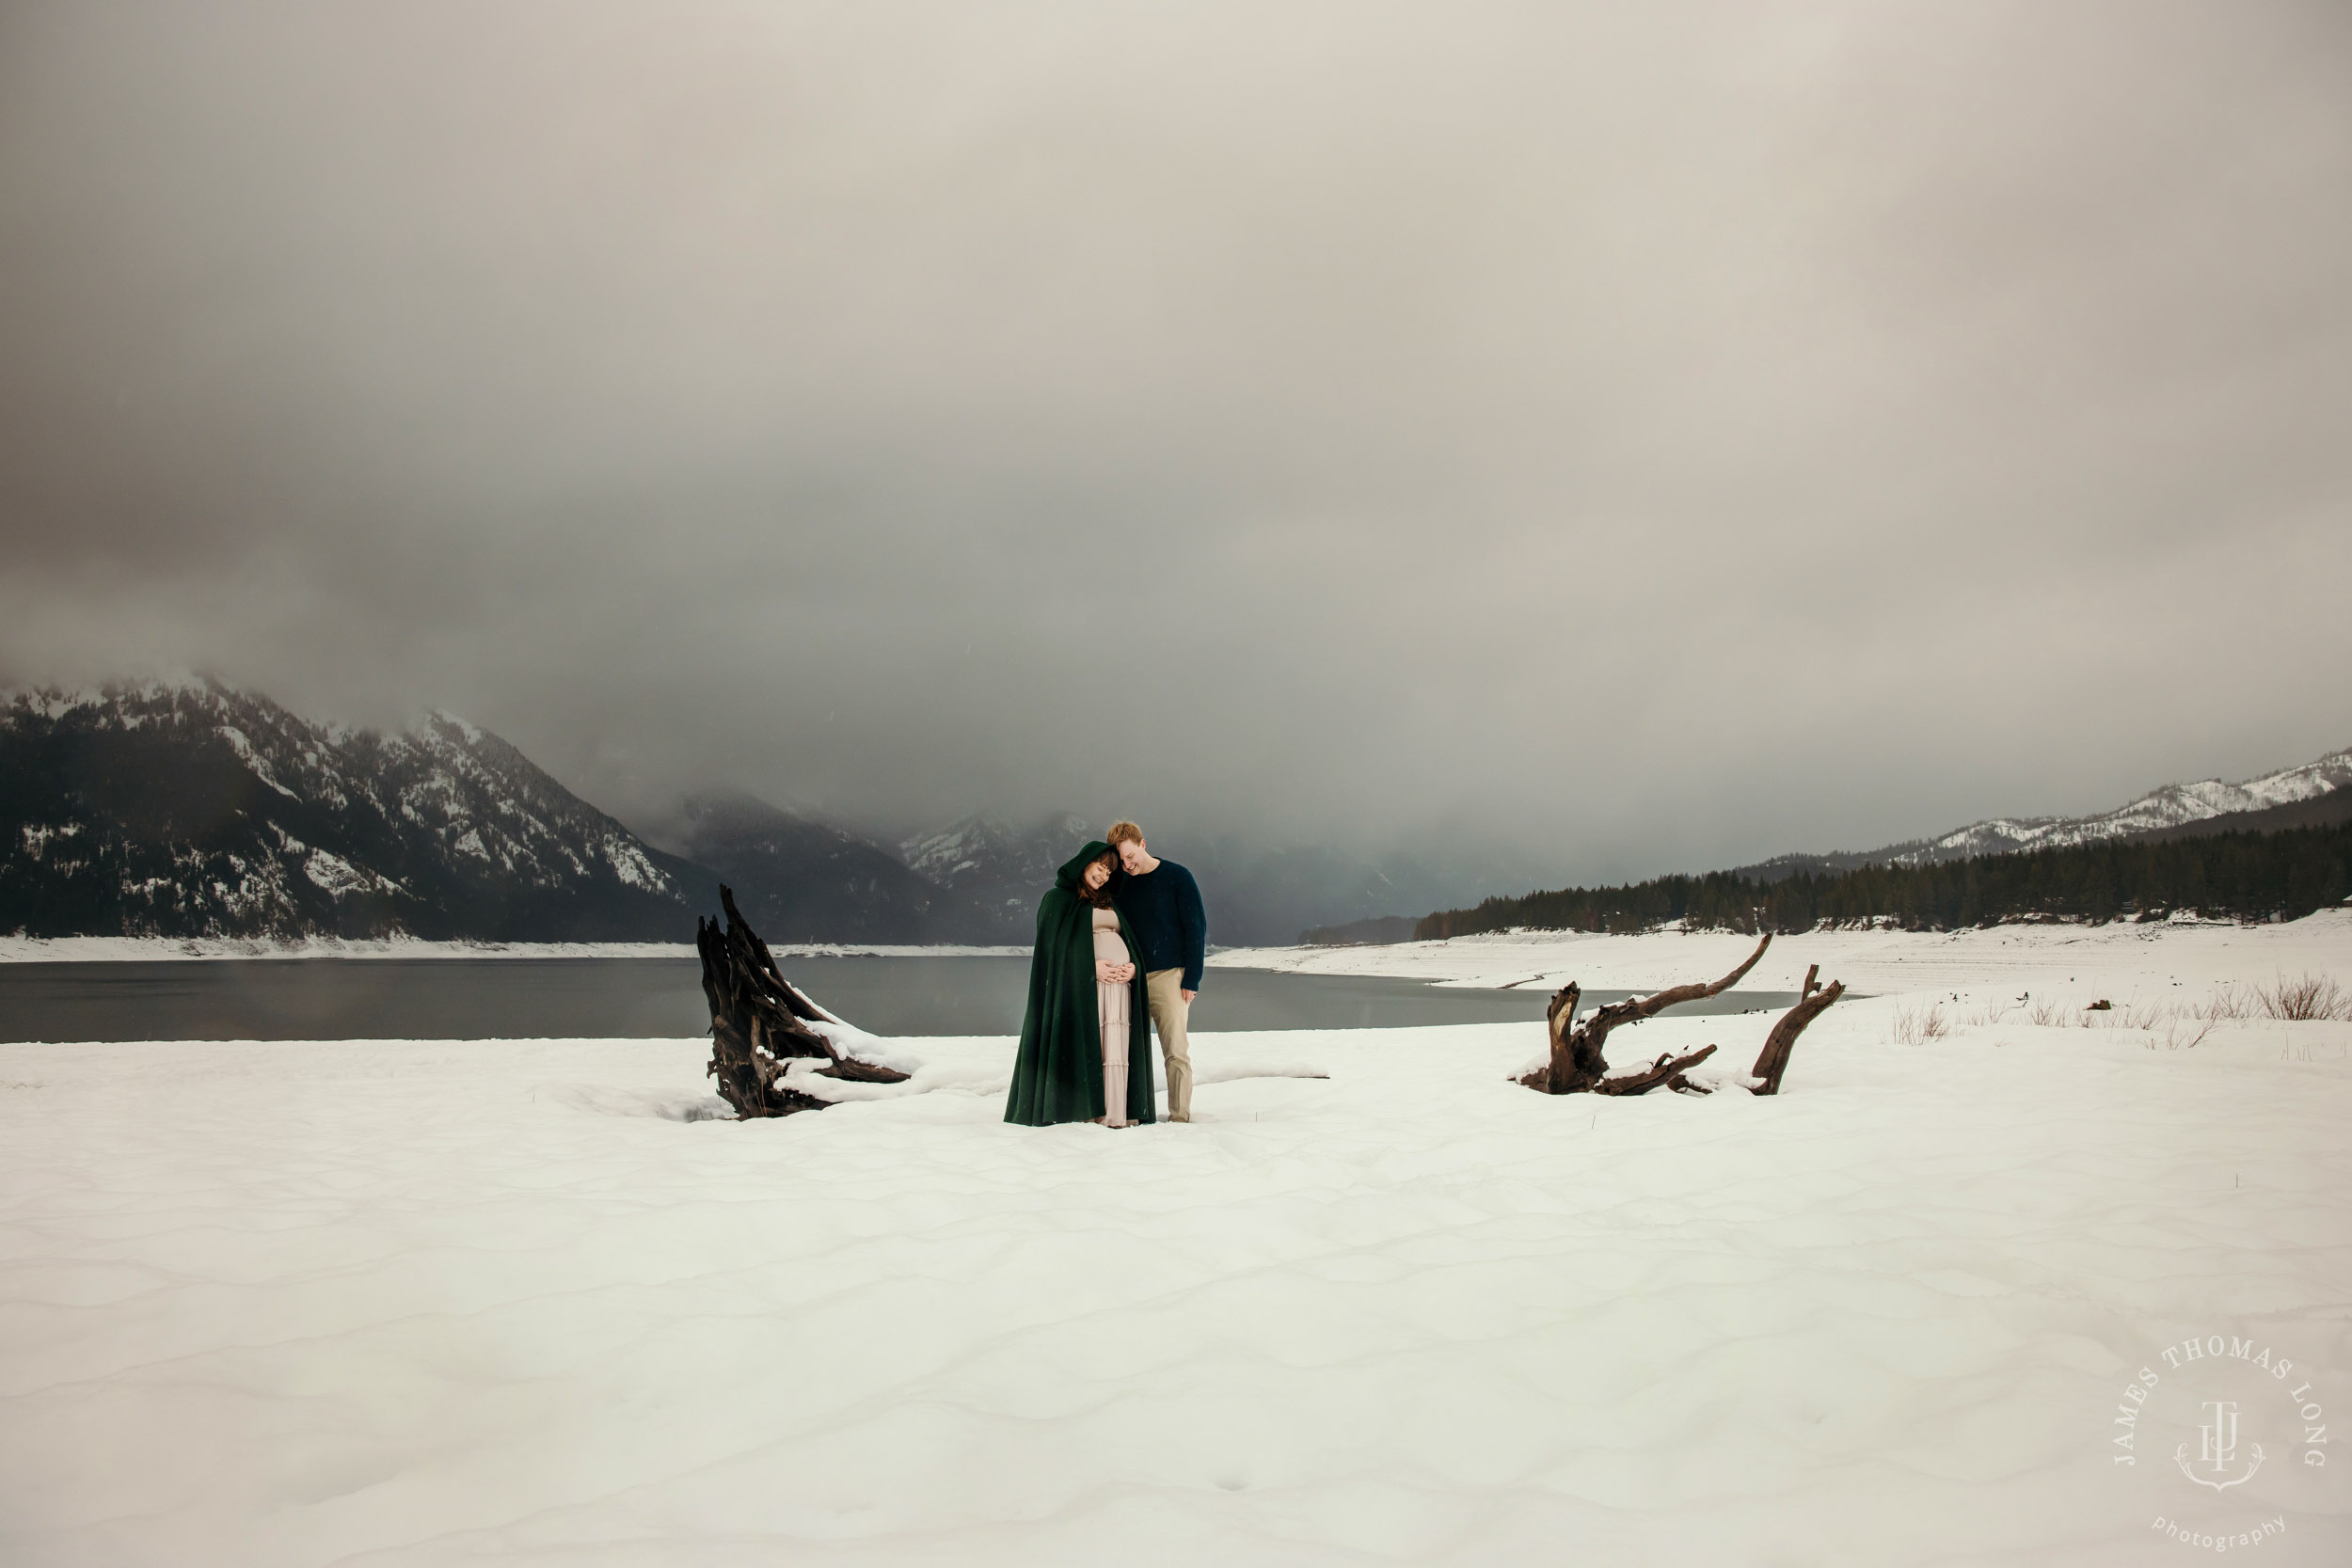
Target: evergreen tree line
<point>2241,875</point>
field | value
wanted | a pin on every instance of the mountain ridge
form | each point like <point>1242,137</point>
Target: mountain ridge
<point>997,870</point>
<point>193,809</point>
<point>196,810</point>
<point>199,809</point>
<point>2169,809</point>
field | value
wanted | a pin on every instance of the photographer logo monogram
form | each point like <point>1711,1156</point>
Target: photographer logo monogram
<point>2253,1409</point>
<point>2219,1448</point>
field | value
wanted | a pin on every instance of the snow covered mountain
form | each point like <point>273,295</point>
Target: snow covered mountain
<point>2172,806</point>
<point>2167,811</point>
<point>199,811</point>
<point>996,871</point>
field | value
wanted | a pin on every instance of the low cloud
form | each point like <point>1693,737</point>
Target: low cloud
<point>1656,438</point>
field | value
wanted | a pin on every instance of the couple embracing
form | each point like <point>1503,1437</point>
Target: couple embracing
<point>1121,937</point>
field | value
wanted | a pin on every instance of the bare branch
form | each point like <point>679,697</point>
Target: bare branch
<point>1773,1060</point>
<point>1664,1071</point>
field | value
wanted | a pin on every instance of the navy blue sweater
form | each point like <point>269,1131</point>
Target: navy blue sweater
<point>1170,928</point>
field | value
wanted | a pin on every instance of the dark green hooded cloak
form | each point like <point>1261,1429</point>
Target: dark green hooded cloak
<point>1058,1075</point>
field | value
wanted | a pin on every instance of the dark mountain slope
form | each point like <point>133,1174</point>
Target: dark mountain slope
<point>802,881</point>
<point>185,810</point>
<point>996,872</point>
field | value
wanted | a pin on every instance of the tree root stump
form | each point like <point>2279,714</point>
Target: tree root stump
<point>759,1025</point>
<point>1576,1064</point>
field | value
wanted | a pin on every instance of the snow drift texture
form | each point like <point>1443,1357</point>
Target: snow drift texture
<point>421,1303</point>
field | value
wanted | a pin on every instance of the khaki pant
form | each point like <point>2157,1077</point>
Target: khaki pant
<point>1165,989</point>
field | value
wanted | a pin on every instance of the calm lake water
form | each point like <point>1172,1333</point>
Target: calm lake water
<point>280,999</point>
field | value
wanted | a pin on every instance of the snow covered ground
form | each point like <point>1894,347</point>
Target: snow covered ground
<point>2119,961</point>
<point>431,1303</point>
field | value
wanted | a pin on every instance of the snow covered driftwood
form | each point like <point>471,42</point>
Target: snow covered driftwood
<point>1577,1066</point>
<point>759,1023</point>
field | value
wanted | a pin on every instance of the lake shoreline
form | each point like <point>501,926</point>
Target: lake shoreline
<point>407,997</point>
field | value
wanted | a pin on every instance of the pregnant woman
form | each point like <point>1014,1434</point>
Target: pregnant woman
<point>1084,992</point>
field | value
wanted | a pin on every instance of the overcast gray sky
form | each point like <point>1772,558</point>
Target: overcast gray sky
<point>1664,434</point>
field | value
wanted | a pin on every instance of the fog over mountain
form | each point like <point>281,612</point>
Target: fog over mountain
<point>199,811</point>
<point>1582,439</point>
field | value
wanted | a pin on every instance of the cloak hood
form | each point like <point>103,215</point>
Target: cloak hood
<point>1074,868</point>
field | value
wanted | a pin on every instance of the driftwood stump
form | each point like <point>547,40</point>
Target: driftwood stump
<point>1773,1059</point>
<point>759,1022</point>
<point>1577,1064</point>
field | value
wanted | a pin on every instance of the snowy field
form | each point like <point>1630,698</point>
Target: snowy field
<point>425,1303</point>
<point>2122,961</point>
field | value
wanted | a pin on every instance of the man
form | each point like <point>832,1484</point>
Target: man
<point>1171,938</point>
